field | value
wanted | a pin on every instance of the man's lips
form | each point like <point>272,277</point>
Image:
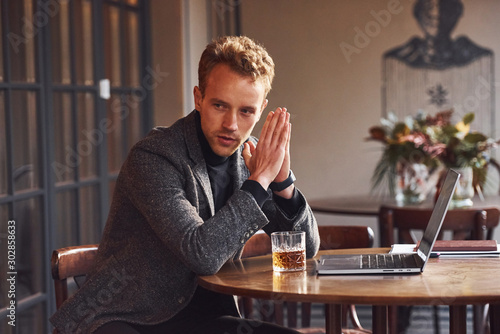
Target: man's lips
<point>227,140</point>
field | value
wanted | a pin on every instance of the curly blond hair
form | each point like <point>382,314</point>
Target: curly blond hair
<point>242,55</point>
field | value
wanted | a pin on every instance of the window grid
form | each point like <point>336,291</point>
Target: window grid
<point>90,179</point>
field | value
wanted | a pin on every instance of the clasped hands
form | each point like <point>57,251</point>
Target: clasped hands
<point>269,161</point>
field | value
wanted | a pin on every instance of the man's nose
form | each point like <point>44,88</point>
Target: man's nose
<point>230,121</point>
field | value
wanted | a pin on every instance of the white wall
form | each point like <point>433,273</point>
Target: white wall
<point>167,48</point>
<point>334,101</point>
<point>180,30</point>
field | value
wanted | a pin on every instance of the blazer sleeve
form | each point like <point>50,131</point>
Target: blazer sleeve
<point>170,198</point>
<point>303,220</point>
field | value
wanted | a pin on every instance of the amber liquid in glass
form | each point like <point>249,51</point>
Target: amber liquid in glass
<point>289,260</point>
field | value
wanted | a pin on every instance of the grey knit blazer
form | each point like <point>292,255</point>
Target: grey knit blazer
<point>162,232</point>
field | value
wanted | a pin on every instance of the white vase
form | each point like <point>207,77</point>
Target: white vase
<point>464,192</point>
<point>411,183</point>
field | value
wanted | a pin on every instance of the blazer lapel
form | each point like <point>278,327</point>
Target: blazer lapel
<point>200,167</point>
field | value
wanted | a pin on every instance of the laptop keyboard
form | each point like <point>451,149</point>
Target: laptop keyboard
<point>388,261</point>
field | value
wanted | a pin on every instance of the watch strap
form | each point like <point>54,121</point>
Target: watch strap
<point>279,186</point>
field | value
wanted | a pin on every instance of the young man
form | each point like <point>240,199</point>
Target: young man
<point>187,199</point>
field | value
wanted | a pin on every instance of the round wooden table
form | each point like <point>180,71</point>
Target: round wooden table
<point>446,281</point>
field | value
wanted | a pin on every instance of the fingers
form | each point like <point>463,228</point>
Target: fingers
<point>265,127</point>
<point>270,157</point>
<point>289,137</point>
<point>246,154</point>
<point>248,149</point>
<point>275,131</point>
<point>285,132</point>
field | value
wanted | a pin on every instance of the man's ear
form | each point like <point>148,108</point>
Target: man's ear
<point>264,105</point>
<point>198,98</point>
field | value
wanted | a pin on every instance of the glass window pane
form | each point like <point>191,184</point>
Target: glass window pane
<point>2,78</point>
<point>29,247</point>
<point>22,38</point>
<point>66,158</point>
<point>4,233</point>
<point>67,220</point>
<point>4,215</point>
<point>3,148</point>
<point>32,320</point>
<point>89,136</point>
<point>26,141</point>
<point>60,38</point>
<point>132,49</point>
<point>4,269</point>
<point>83,42</point>
<point>90,229</point>
<point>27,229</point>
<point>115,133</point>
<point>133,120</point>
<point>132,2</point>
<point>112,185</point>
<point>112,46</point>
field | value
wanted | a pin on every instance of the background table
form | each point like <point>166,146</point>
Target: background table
<point>455,282</point>
<point>366,205</point>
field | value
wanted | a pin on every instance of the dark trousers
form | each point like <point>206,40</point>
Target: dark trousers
<point>220,325</point>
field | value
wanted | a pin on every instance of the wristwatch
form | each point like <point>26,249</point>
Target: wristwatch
<point>279,186</point>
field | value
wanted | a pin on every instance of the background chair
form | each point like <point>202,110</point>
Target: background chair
<point>398,225</point>
<point>332,237</point>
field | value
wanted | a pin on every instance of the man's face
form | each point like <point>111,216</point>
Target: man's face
<point>231,107</point>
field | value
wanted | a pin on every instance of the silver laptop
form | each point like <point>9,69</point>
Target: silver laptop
<point>396,263</point>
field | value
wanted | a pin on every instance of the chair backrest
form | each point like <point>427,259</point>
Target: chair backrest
<point>339,237</point>
<point>70,263</point>
<point>258,244</point>
<point>331,237</point>
<point>470,223</point>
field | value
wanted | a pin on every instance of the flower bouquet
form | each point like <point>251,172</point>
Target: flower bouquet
<point>420,145</point>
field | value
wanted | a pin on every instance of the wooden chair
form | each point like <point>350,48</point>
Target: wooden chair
<point>466,223</point>
<point>258,244</point>
<point>398,224</point>
<point>331,237</point>
<point>69,266</point>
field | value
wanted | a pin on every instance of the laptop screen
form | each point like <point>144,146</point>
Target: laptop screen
<point>438,214</point>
